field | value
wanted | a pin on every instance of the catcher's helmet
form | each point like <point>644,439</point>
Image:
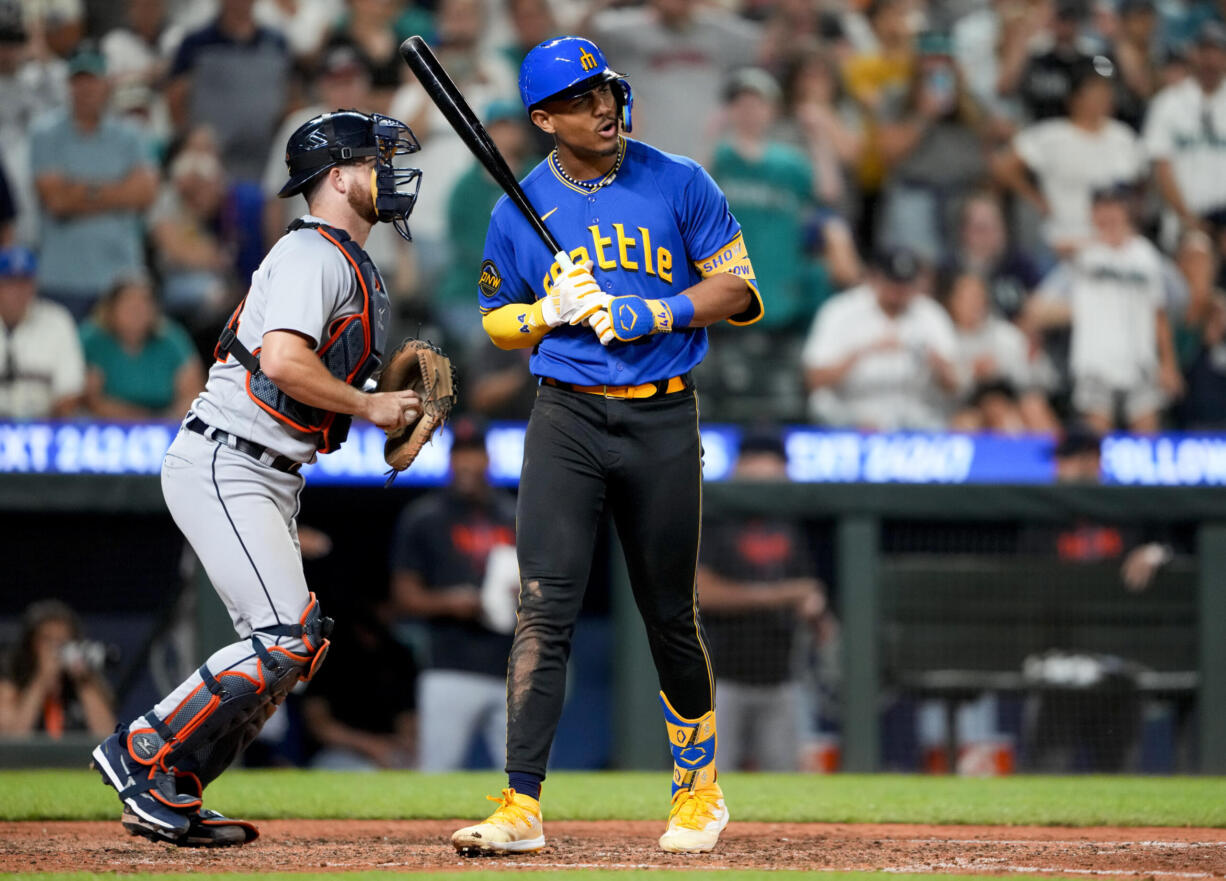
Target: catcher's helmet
<point>329,139</point>
<point>565,67</point>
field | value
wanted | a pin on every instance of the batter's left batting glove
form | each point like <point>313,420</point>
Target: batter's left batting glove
<point>631,318</point>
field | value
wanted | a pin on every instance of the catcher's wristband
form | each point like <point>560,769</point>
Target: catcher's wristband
<point>634,317</point>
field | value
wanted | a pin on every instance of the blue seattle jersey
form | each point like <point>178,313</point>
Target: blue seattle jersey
<point>660,226</point>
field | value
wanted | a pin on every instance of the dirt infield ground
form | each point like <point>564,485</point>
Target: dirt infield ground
<point>341,845</point>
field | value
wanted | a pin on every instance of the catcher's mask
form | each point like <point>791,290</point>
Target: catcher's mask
<point>331,139</point>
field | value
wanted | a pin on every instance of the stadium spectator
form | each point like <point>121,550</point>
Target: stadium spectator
<point>354,730</point>
<point>32,81</point>
<point>42,373</point>
<point>1184,137</point>
<point>135,54</point>
<point>1071,156</point>
<point>881,356</point>
<point>1136,51</point>
<point>192,258</point>
<point>877,80</point>
<point>139,365</point>
<point>678,54</point>
<point>1201,408</point>
<point>94,178</point>
<point>757,585</point>
<point>532,22</point>
<point>304,23</point>
<point>211,83</point>
<point>983,248</point>
<point>992,39</point>
<point>1045,74</point>
<point>820,120</point>
<point>1196,267</point>
<point>1004,394</point>
<point>483,77</point>
<point>368,31</point>
<point>438,559</point>
<point>792,28</point>
<point>771,188</point>
<point>934,145</point>
<point>1112,294</point>
<point>52,682</point>
<point>468,217</point>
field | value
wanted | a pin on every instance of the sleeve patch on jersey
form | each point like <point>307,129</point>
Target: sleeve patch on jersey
<point>731,258</point>
<point>491,279</point>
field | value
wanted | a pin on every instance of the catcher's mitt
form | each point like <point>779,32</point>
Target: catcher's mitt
<point>421,366</point>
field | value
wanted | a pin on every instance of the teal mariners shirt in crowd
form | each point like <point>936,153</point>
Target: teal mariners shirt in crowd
<point>652,227</point>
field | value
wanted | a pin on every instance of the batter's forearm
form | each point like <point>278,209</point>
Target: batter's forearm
<point>719,297</point>
<point>516,325</point>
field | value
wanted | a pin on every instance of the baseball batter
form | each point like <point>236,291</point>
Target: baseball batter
<point>291,365</point>
<point>657,257</point>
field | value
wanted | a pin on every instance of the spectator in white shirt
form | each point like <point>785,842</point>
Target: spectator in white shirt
<point>881,356</point>
<point>42,371</point>
<point>1004,393</point>
<point>1185,136</point>
<point>1112,294</point>
<point>1071,156</point>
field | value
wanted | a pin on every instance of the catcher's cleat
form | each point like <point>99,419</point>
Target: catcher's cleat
<point>697,817</point>
<point>207,829</point>
<point>147,793</point>
<point>514,827</point>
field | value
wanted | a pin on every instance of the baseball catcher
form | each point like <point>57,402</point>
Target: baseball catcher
<point>292,367</point>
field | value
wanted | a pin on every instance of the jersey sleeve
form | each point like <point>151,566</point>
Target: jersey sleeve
<point>1031,146</point>
<point>499,283</point>
<point>1157,134</point>
<point>713,239</point>
<point>304,290</point>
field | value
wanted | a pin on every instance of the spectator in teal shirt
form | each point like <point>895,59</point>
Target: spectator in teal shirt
<point>140,365</point>
<point>94,176</point>
<point>770,187</point>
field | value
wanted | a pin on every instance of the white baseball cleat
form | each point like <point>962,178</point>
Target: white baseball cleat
<point>697,817</point>
<point>514,827</point>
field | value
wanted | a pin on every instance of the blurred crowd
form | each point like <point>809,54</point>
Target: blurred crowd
<point>1000,215</point>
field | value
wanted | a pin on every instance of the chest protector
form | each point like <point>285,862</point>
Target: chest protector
<point>351,351</point>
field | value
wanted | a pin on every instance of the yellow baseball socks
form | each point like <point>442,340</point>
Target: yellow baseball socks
<point>698,811</point>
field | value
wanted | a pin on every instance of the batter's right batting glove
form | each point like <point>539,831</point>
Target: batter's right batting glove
<point>573,297</point>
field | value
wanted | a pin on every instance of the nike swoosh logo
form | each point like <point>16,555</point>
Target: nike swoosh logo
<point>545,216</point>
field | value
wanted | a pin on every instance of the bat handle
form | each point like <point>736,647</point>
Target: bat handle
<point>563,260</point>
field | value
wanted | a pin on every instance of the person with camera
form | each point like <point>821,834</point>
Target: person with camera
<point>53,680</point>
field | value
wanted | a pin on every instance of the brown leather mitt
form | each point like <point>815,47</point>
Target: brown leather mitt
<point>421,366</point>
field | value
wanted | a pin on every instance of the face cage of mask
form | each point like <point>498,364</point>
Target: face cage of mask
<point>395,188</point>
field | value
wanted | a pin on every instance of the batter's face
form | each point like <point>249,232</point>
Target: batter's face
<point>586,126</point>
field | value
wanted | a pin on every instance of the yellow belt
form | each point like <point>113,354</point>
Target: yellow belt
<point>646,390</point>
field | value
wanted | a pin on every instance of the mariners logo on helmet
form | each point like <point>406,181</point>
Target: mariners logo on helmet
<point>565,67</point>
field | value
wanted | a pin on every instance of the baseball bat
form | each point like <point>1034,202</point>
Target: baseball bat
<point>447,97</point>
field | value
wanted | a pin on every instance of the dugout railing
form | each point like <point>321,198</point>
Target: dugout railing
<point>886,643</point>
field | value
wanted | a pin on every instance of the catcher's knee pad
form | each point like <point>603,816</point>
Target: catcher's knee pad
<point>220,716</point>
<point>693,742</point>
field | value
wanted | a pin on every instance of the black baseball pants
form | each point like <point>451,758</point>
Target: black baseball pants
<point>641,459</point>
